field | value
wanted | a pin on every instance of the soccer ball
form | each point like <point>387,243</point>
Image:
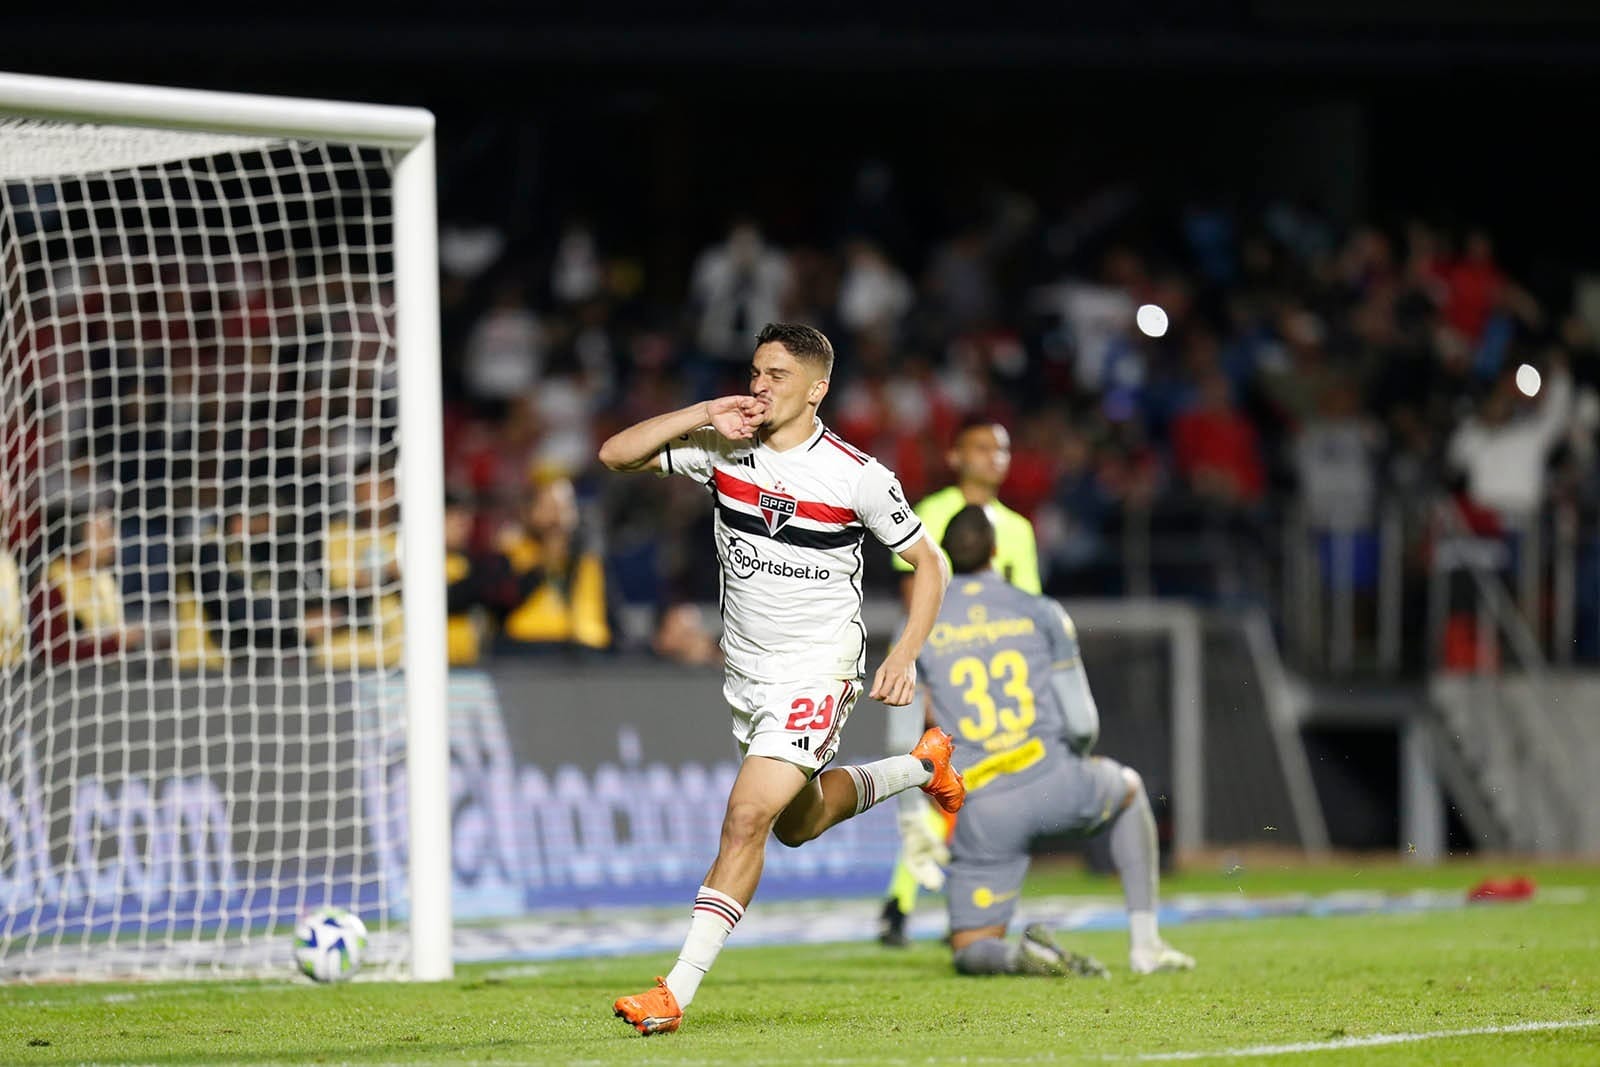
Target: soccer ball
<point>329,944</point>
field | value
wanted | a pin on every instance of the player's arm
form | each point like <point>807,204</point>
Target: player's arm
<point>1070,684</point>
<point>896,680</point>
<point>639,446</point>
<point>934,524</point>
<point>1027,576</point>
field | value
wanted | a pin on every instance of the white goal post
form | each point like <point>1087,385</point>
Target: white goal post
<point>175,195</point>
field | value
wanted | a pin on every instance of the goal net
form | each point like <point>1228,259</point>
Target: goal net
<point>203,581</point>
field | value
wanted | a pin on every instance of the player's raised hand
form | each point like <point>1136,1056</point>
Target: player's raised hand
<point>896,682</point>
<point>737,417</point>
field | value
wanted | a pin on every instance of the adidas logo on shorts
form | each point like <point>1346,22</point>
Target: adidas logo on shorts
<point>803,744</point>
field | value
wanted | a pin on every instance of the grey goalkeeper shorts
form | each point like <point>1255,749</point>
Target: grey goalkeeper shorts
<point>998,823</point>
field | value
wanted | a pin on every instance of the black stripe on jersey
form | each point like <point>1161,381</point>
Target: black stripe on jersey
<point>666,452</point>
<point>906,539</point>
<point>790,535</point>
<point>855,583</point>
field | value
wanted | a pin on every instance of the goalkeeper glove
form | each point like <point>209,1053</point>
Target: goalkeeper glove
<point>922,847</point>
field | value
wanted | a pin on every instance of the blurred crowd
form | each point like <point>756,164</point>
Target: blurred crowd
<point>1173,402</point>
<point>1175,395</point>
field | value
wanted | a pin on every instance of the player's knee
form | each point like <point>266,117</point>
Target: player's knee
<point>744,825</point>
<point>1135,784</point>
<point>987,955</point>
<point>792,836</point>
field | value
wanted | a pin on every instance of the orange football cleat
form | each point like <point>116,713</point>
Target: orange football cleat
<point>655,1011</point>
<point>946,786</point>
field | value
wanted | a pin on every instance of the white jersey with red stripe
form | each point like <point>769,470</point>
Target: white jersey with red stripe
<point>788,529</point>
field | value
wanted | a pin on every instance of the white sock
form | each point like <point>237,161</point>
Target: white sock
<point>1142,929</point>
<point>715,915</point>
<point>883,779</point>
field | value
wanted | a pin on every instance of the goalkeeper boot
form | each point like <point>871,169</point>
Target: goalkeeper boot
<point>1160,957</point>
<point>946,786</point>
<point>655,1011</point>
<point>892,925</point>
<point>1040,954</point>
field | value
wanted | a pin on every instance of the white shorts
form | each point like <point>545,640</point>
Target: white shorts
<point>799,722</point>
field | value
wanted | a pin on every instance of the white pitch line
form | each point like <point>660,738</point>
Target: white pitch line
<point>1359,1042</point>
<point>1146,1057</point>
<point>1252,1051</point>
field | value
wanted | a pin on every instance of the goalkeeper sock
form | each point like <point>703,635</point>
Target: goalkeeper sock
<point>1133,851</point>
<point>715,916</point>
<point>903,884</point>
<point>903,888</point>
<point>883,779</point>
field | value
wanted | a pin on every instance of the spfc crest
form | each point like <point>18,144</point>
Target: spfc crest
<point>776,508</point>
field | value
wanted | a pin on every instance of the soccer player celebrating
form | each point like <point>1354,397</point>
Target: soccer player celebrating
<point>1003,675</point>
<point>980,458</point>
<point>793,502</point>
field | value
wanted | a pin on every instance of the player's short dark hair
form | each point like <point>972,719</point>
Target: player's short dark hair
<point>975,421</point>
<point>805,343</point>
<point>969,540</point>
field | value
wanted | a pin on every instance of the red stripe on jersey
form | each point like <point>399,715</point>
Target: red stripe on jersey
<point>842,447</point>
<point>750,493</point>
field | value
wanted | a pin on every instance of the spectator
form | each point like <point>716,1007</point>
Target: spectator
<point>1336,455</point>
<point>464,580</point>
<point>1072,524</point>
<point>960,283</point>
<point>737,286</point>
<point>681,636</point>
<point>13,634</point>
<point>77,610</point>
<point>505,351</point>
<point>363,574</point>
<point>577,273</point>
<point>251,580</point>
<point>555,593</point>
<point>1502,456</point>
<point>873,295</point>
<point>1474,287</point>
<point>1216,449</point>
<point>1336,459</point>
<point>564,412</point>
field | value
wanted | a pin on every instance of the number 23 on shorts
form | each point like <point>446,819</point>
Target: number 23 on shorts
<point>809,715</point>
<point>821,712</point>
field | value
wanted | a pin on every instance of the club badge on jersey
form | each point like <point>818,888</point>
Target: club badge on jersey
<point>776,508</point>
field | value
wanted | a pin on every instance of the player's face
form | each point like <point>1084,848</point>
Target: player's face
<point>982,455</point>
<point>789,386</point>
<point>554,509</point>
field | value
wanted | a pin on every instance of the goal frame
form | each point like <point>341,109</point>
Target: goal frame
<point>409,133</point>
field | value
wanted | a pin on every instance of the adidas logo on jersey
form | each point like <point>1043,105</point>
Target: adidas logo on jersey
<point>803,744</point>
<point>776,509</point>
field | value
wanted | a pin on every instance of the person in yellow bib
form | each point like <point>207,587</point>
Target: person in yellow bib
<point>77,610</point>
<point>554,586</point>
<point>979,459</point>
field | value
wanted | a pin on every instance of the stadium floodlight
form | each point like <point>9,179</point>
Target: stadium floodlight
<point>223,693</point>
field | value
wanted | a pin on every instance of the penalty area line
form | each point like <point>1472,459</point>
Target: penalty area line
<point>1370,1041</point>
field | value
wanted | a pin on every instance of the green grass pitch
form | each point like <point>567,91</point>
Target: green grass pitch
<point>1330,982</point>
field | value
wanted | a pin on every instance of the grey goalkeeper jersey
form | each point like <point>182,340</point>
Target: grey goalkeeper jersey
<point>1003,672</point>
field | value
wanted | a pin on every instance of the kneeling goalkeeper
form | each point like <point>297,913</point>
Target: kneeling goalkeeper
<point>1003,676</point>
